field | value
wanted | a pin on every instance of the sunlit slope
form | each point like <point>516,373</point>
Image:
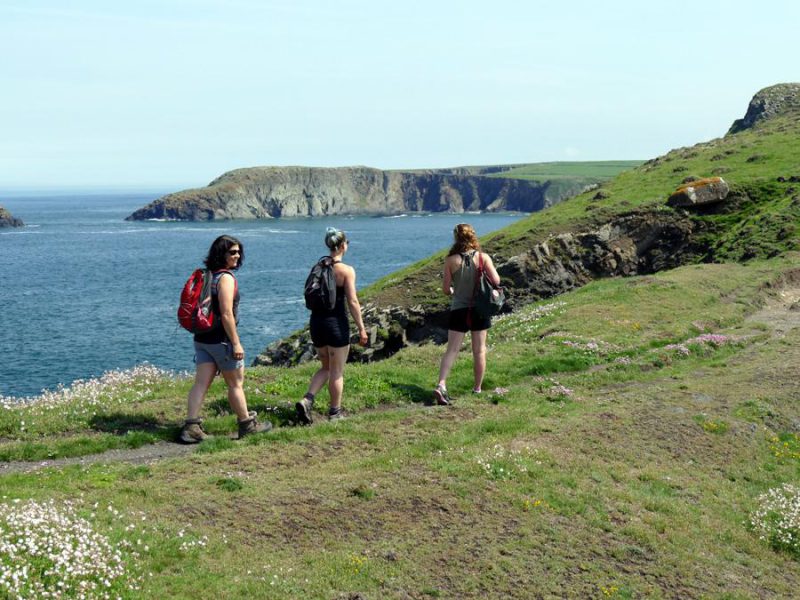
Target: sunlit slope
<point>761,164</point>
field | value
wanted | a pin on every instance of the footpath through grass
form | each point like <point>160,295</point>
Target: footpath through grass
<point>625,435</point>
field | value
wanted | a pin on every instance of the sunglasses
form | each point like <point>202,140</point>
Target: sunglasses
<point>234,252</point>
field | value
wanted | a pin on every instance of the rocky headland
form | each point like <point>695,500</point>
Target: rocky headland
<point>266,192</point>
<point>8,220</point>
<point>771,102</point>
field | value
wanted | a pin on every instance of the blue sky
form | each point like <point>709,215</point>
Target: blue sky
<point>172,93</point>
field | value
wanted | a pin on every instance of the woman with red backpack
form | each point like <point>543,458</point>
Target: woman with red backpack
<point>219,350</point>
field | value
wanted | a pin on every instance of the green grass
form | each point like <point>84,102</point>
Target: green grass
<point>636,482</point>
<point>548,171</point>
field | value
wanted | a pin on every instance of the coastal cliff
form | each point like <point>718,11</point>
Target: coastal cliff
<point>266,192</point>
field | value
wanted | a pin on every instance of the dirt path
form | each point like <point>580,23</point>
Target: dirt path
<point>781,313</point>
<point>144,455</point>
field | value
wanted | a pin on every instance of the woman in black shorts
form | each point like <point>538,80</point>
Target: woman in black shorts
<point>460,273</point>
<point>220,349</point>
<point>330,332</point>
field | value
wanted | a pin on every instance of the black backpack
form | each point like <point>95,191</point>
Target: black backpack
<point>320,290</point>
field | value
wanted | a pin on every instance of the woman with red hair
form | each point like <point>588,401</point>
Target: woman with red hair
<point>459,282</point>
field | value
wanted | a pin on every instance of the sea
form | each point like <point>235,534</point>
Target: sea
<point>83,291</point>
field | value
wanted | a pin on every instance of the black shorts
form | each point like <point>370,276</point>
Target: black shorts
<point>330,331</point>
<point>466,319</point>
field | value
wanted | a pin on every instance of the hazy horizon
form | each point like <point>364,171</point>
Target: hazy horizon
<point>170,94</point>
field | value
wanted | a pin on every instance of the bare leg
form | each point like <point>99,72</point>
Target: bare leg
<point>320,378</point>
<point>235,382</point>
<point>454,341</point>
<point>203,377</point>
<point>337,360</point>
<point>479,357</point>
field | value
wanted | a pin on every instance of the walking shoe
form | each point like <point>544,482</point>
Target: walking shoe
<point>192,432</point>
<point>303,409</point>
<point>440,396</point>
<point>337,416</point>
<point>251,426</point>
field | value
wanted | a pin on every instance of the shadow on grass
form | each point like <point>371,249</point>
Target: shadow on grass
<point>122,423</point>
<point>280,415</point>
<point>414,393</point>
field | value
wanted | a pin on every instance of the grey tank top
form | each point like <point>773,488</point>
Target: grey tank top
<point>464,281</point>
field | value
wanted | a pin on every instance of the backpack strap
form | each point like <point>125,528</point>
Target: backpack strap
<point>229,272</point>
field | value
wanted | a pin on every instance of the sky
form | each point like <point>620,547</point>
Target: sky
<point>172,93</point>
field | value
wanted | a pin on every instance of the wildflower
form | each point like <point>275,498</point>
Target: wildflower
<point>46,544</point>
<point>777,518</point>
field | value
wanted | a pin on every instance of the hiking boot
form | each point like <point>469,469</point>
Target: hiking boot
<point>251,426</point>
<point>192,432</point>
<point>440,396</point>
<point>303,409</point>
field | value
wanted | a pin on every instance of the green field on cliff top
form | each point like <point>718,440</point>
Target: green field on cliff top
<point>550,171</point>
<point>633,440</point>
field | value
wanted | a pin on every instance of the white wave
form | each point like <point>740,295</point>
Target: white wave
<point>20,232</point>
<point>262,232</point>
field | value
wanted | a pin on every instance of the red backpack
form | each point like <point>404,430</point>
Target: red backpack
<point>195,312</point>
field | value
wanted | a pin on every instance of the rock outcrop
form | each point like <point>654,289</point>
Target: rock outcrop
<point>265,192</point>
<point>636,243</point>
<point>699,192</point>
<point>771,102</point>
<point>8,220</point>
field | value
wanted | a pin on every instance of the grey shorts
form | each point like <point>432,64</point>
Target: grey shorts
<point>219,354</point>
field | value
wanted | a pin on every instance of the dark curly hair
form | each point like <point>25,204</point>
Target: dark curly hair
<point>216,259</point>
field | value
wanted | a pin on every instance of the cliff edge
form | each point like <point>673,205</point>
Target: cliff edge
<point>266,192</point>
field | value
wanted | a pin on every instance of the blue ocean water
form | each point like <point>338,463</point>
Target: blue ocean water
<point>83,291</point>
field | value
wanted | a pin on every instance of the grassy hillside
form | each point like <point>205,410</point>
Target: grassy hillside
<point>761,220</point>
<point>627,432</point>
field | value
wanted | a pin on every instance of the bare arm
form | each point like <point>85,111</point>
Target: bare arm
<point>491,272</point>
<point>225,289</point>
<point>353,303</point>
<point>447,278</point>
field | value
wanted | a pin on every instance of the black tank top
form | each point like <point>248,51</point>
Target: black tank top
<point>338,309</point>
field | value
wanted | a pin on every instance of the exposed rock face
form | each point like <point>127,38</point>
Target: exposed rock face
<point>699,192</point>
<point>783,98</point>
<point>8,220</point>
<point>264,192</point>
<point>640,242</point>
